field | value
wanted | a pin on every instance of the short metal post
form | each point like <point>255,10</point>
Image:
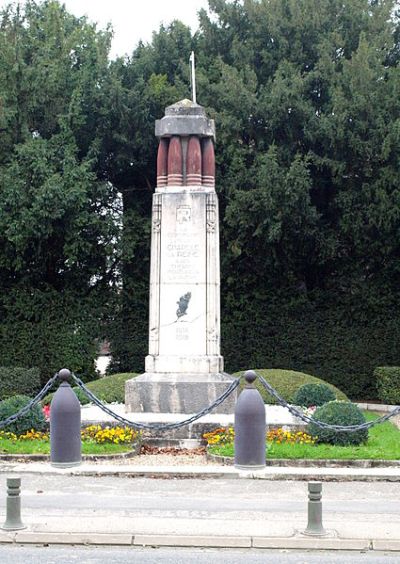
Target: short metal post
<point>314,526</point>
<point>13,506</point>
<point>65,425</point>
<point>250,426</point>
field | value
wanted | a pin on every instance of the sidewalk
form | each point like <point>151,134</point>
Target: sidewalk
<point>106,507</point>
<point>132,469</point>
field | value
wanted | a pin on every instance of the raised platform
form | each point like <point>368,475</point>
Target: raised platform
<point>178,393</point>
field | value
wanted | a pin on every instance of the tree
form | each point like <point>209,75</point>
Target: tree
<point>59,219</point>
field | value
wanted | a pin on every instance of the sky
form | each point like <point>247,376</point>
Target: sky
<point>134,20</point>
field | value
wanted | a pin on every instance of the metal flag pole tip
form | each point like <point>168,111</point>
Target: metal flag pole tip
<point>193,77</point>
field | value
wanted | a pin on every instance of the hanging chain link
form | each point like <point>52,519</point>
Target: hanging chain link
<point>348,428</point>
<point>43,392</point>
<point>157,426</point>
<point>168,426</point>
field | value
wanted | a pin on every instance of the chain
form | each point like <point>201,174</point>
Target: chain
<point>349,428</point>
<point>43,392</point>
<point>157,426</point>
<point>165,426</point>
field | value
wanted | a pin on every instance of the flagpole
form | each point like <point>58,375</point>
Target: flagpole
<point>193,77</point>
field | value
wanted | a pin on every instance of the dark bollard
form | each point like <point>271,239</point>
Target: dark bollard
<point>314,526</point>
<point>13,506</point>
<point>250,426</point>
<point>65,425</point>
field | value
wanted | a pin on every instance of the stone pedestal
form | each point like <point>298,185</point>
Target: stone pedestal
<point>184,367</point>
<point>177,393</point>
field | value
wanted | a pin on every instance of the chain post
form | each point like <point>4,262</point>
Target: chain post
<point>250,426</point>
<point>314,525</point>
<point>65,425</point>
<point>13,520</point>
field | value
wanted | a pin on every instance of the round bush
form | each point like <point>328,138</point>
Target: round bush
<point>313,394</point>
<point>338,413</point>
<point>34,419</point>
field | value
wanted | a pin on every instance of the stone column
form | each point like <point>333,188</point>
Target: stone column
<point>184,367</point>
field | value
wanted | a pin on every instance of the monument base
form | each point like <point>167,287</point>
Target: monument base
<point>178,393</point>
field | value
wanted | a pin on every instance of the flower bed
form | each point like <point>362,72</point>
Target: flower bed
<point>95,440</point>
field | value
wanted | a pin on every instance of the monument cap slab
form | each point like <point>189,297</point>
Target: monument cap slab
<point>185,118</point>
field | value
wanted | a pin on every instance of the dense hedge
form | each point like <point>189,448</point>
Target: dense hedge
<point>334,340</point>
<point>388,384</point>
<point>49,330</point>
<point>18,380</point>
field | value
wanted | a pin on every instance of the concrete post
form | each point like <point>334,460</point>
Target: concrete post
<point>314,526</point>
<point>13,506</point>
<point>250,426</point>
<point>65,425</point>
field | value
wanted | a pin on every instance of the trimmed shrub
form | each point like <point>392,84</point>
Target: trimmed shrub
<point>17,380</point>
<point>286,383</point>
<point>110,389</point>
<point>313,394</point>
<point>388,384</point>
<point>338,413</point>
<point>34,419</point>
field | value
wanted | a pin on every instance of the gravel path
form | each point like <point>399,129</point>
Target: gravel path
<point>161,460</point>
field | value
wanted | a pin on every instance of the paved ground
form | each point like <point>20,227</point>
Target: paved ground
<point>221,512</point>
<point>99,555</point>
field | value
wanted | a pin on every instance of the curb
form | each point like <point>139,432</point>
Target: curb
<point>85,458</point>
<point>142,540</point>
<point>313,462</point>
<point>201,472</point>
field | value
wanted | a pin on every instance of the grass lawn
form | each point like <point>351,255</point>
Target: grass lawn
<point>8,446</point>
<point>383,443</point>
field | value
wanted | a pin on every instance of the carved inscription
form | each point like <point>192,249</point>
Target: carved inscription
<point>182,332</point>
<point>182,259</point>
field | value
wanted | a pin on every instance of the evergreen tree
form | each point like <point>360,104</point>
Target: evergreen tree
<point>59,218</point>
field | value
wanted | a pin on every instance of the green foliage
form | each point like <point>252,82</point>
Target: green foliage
<point>51,330</point>
<point>110,389</point>
<point>305,98</point>
<point>60,218</point>
<point>287,383</point>
<point>388,384</point>
<point>338,413</point>
<point>18,380</point>
<point>34,419</point>
<point>313,394</point>
<point>313,334</point>
<point>383,444</point>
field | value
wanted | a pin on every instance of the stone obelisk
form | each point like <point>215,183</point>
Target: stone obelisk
<point>184,367</point>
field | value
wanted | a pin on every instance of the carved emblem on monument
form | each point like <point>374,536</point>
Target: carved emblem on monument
<point>183,214</point>
<point>183,304</point>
